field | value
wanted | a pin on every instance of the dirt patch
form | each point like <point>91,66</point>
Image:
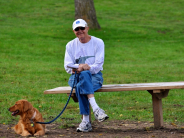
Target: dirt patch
<point>108,129</point>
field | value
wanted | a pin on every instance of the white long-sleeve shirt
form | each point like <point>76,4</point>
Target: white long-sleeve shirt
<point>91,53</point>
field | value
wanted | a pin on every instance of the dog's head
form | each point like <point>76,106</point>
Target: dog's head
<point>20,107</point>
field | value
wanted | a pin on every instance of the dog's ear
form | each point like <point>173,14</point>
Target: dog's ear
<point>27,106</point>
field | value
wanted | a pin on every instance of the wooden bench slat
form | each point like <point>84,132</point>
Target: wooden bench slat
<point>124,87</point>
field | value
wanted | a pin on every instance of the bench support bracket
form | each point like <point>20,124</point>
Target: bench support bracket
<point>74,97</point>
<point>157,96</point>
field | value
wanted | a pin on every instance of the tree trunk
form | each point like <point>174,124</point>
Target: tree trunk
<point>84,9</point>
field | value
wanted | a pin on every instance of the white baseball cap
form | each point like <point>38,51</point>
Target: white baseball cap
<point>79,22</point>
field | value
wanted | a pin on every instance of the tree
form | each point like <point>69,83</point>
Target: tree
<point>85,9</point>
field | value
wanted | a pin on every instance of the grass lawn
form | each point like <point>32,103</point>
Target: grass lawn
<point>143,43</point>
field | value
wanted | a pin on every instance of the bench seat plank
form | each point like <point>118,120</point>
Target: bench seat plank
<point>124,87</point>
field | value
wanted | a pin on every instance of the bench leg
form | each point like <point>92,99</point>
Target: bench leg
<point>157,106</point>
<point>157,111</point>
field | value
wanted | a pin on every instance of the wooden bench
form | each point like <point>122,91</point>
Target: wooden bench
<point>157,91</point>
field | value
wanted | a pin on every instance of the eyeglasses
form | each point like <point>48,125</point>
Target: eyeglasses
<point>81,28</point>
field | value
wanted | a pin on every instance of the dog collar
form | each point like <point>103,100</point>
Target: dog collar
<point>33,115</point>
<point>31,120</point>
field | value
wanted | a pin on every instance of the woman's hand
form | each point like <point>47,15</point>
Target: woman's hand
<point>81,67</point>
<point>85,66</point>
<point>73,71</point>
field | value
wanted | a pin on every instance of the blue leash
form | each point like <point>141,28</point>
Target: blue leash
<point>63,108</point>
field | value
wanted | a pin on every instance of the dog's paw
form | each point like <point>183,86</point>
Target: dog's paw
<point>26,134</point>
<point>39,133</point>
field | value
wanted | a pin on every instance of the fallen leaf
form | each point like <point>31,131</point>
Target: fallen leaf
<point>173,124</point>
<point>147,128</point>
<point>151,124</point>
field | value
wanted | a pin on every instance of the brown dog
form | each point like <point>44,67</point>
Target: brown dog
<point>28,117</point>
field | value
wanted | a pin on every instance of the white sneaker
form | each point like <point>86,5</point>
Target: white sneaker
<point>100,115</point>
<point>84,127</point>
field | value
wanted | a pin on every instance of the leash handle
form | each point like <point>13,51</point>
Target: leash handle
<point>65,104</point>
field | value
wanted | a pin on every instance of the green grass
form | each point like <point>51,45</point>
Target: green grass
<point>143,43</point>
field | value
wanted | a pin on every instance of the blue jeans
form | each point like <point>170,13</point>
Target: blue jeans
<point>85,83</point>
